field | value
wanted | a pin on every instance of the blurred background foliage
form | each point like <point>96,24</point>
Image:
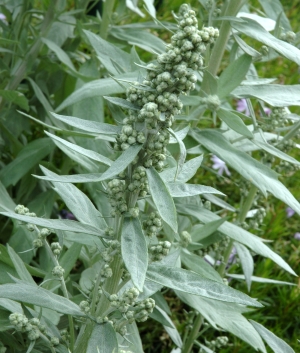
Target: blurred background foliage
<point>40,74</point>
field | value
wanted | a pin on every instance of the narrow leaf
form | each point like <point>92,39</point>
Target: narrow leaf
<point>237,233</point>
<point>30,294</point>
<point>103,340</point>
<point>16,98</point>
<point>228,316</point>
<point>83,151</point>
<point>275,95</point>
<point>19,266</point>
<point>122,103</point>
<point>258,174</point>
<point>28,157</point>
<point>88,125</point>
<point>134,251</point>
<point>116,168</point>
<point>185,190</point>
<point>162,198</point>
<point>200,232</point>
<point>234,122</point>
<point>188,170</point>
<point>274,342</point>
<point>254,30</point>
<point>246,262</point>
<point>233,75</point>
<point>100,87</point>
<point>190,282</point>
<point>182,149</point>
<point>260,279</point>
<point>60,224</point>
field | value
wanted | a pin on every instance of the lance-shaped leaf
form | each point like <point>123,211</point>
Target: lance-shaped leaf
<point>88,125</point>
<point>199,265</point>
<point>28,157</point>
<point>16,98</point>
<point>200,232</point>
<point>101,87</point>
<point>185,190</point>
<point>233,75</point>
<point>78,203</point>
<point>274,342</point>
<point>134,251</point>
<point>107,51</point>
<point>59,224</point>
<point>259,279</point>
<point>122,103</point>
<point>188,170</point>
<point>77,149</point>
<point>103,340</point>
<point>116,168</point>
<point>254,30</point>
<point>237,233</point>
<point>246,262</point>
<point>234,122</point>
<point>20,266</point>
<point>193,283</point>
<point>228,316</point>
<point>162,198</point>
<point>258,174</point>
<point>275,95</point>
<point>182,149</point>
<point>26,293</point>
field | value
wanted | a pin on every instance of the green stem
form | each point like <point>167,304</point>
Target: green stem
<point>65,293</point>
<point>106,17</point>
<point>193,335</point>
<point>232,8</point>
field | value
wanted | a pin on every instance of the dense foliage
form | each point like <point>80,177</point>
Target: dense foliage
<point>139,172</point>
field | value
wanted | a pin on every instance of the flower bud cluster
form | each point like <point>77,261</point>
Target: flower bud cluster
<point>186,239</point>
<point>153,224</point>
<point>160,250</point>
<point>139,182</point>
<point>85,306</point>
<point>257,220</point>
<point>288,36</point>
<point>212,101</point>
<point>278,118</point>
<point>219,342</point>
<point>116,192</point>
<point>156,150</point>
<point>42,234</point>
<point>143,309</point>
<point>56,248</point>
<point>58,271</point>
<point>216,249</point>
<point>32,327</point>
<point>128,136</point>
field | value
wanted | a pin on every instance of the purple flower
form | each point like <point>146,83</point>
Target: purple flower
<point>268,111</point>
<point>2,17</point>
<point>242,107</point>
<point>219,165</point>
<point>67,215</point>
<point>297,236</point>
<point>289,212</point>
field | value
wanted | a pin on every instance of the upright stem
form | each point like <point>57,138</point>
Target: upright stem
<point>232,8</point>
<point>193,335</point>
<point>65,293</point>
<point>106,17</point>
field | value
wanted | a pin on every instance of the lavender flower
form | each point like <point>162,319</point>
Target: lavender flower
<point>268,111</point>
<point>242,107</point>
<point>297,236</point>
<point>2,17</point>
<point>289,212</point>
<point>219,165</point>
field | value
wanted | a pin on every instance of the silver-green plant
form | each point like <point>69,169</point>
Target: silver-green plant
<point>142,226</point>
